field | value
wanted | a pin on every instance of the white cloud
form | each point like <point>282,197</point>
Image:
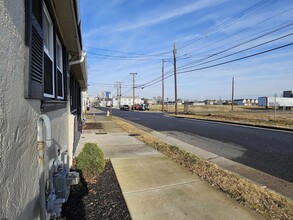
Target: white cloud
<point>152,19</point>
<point>172,14</point>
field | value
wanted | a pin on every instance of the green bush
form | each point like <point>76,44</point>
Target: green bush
<point>91,160</point>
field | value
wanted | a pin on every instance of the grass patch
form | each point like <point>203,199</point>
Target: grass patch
<point>91,161</point>
<point>249,118</point>
<point>266,202</point>
<point>250,115</point>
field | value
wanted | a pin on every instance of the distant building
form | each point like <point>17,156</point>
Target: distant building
<point>108,95</point>
<point>288,94</point>
<point>210,102</point>
<point>152,102</point>
<point>246,102</point>
<point>198,103</point>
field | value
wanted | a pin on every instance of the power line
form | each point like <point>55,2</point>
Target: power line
<point>241,51</point>
<point>231,21</point>
<point>106,56</point>
<point>131,53</point>
<point>223,63</point>
<point>226,37</point>
<point>107,85</point>
<point>143,55</point>
<point>234,60</point>
<point>275,29</point>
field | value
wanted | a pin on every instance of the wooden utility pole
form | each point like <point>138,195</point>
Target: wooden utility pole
<point>133,88</point>
<point>163,85</point>
<point>232,94</point>
<point>175,79</point>
<point>118,87</point>
<point>120,93</point>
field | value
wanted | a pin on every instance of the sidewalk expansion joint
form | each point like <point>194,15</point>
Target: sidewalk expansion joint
<point>161,187</point>
<point>212,158</point>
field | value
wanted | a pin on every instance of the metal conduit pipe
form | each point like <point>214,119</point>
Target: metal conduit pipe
<point>43,122</point>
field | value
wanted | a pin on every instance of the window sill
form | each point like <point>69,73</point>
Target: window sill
<point>52,105</point>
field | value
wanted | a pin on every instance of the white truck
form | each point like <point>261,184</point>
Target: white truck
<point>275,101</point>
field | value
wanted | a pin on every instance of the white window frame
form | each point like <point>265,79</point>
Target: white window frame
<point>58,44</point>
<point>51,47</point>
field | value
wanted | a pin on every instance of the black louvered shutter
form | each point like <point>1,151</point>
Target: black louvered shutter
<point>65,73</point>
<point>36,79</point>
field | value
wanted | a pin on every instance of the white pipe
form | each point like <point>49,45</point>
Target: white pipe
<point>45,121</point>
<point>83,54</point>
<point>42,186</point>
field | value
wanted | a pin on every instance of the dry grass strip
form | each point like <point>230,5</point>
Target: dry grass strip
<point>248,119</point>
<point>268,203</point>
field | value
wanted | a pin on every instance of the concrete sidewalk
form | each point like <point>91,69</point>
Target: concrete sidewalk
<point>155,187</point>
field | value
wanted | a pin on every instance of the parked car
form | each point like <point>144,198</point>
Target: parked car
<point>124,107</point>
<point>137,107</point>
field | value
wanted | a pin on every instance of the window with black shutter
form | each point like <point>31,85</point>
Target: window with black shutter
<point>59,69</point>
<point>48,41</point>
<point>35,38</point>
<point>47,76</point>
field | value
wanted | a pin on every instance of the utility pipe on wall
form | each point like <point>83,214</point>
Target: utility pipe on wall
<point>83,54</point>
<point>43,122</point>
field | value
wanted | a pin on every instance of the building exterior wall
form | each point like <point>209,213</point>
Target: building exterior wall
<point>18,157</point>
<point>19,167</point>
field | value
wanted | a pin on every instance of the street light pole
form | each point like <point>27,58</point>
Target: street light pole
<point>175,79</point>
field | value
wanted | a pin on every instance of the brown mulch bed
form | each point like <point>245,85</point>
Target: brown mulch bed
<point>102,199</point>
<point>93,125</point>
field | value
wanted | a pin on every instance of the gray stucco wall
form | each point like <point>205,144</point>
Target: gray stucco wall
<point>19,179</point>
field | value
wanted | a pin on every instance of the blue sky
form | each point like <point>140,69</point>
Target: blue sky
<point>124,36</point>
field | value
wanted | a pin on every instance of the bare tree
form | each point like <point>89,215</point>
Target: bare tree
<point>158,99</point>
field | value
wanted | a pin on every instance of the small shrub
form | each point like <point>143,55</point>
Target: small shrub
<point>91,161</point>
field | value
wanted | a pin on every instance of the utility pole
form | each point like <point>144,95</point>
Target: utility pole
<point>133,92</point>
<point>118,87</point>
<point>162,85</point>
<point>275,107</point>
<point>175,79</point>
<point>103,98</point>
<point>120,93</point>
<point>232,94</point>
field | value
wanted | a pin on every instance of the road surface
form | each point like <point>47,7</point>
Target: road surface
<point>267,150</point>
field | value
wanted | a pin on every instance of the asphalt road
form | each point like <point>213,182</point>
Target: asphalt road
<point>267,150</point>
